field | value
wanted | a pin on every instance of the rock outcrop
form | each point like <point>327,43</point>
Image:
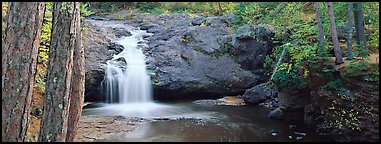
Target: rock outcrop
<point>187,59</point>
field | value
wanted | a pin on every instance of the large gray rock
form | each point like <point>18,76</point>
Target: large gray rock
<point>252,45</point>
<point>260,93</point>
<point>205,39</point>
<point>195,61</point>
<point>186,60</point>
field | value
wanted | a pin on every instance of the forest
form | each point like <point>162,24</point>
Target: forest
<point>190,71</point>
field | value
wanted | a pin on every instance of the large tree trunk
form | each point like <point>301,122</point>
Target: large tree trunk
<point>63,42</point>
<point>320,27</point>
<point>78,83</point>
<point>19,57</point>
<point>360,29</point>
<point>335,40</point>
<point>350,29</point>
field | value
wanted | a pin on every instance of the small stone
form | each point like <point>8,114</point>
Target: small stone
<point>300,133</point>
<point>292,126</point>
<point>274,132</point>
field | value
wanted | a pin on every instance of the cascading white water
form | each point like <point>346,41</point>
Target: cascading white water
<point>128,82</point>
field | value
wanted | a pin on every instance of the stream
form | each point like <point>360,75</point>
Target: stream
<point>128,91</point>
<point>185,121</point>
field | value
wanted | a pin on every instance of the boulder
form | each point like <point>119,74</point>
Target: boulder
<point>186,61</point>
<point>115,46</point>
<point>198,20</point>
<point>121,33</point>
<point>260,93</point>
<point>252,45</point>
<point>204,39</point>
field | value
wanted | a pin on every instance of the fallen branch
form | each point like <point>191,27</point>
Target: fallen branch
<point>278,63</point>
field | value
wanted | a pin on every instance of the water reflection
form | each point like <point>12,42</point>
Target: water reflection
<point>196,123</point>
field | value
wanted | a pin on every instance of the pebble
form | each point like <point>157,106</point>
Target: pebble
<point>300,133</point>
<point>274,132</point>
<point>291,126</point>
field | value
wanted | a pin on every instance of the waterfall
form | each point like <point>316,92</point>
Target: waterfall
<point>126,78</point>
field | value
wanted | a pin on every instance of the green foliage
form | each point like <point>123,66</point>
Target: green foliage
<point>345,118</point>
<point>84,9</point>
<point>43,50</point>
<point>289,76</point>
<point>294,72</point>
<point>332,85</point>
<point>158,11</point>
<point>362,69</point>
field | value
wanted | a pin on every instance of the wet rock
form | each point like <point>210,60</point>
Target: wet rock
<point>274,103</point>
<point>122,33</point>
<point>148,26</point>
<point>116,47</point>
<point>300,133</point>
<point>276,114</point>
<point>93,89</point>
<point>228,100</point>
<point>291,126</point>
<point>260,93</point>
<point>274,132</point>
<point>290,137</point>
<point>156,30</point>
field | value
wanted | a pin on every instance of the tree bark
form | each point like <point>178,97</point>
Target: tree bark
<point>219,9</point>
<point>350,29</point>
<point>59,73</point>
<point>19,57</point>
<point>360,29</point>
<point>320,27</point>
<point>78,82</point>
<point>335,40</point>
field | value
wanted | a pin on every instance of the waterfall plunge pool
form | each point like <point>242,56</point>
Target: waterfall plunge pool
<point>129,94</point>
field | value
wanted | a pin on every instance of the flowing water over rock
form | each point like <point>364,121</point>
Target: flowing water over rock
<point>129,84</point>
<point>128,89</point>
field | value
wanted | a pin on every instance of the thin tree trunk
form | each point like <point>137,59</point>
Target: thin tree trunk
<point>219,9</point>
<point>360,29</point>
<point>78,83</point>
<point>335,40</point>
<point>278,63</point>
<point>19,57</point>
<point>63,42</point>
<point>350,29</point>
<point>320,27</point>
